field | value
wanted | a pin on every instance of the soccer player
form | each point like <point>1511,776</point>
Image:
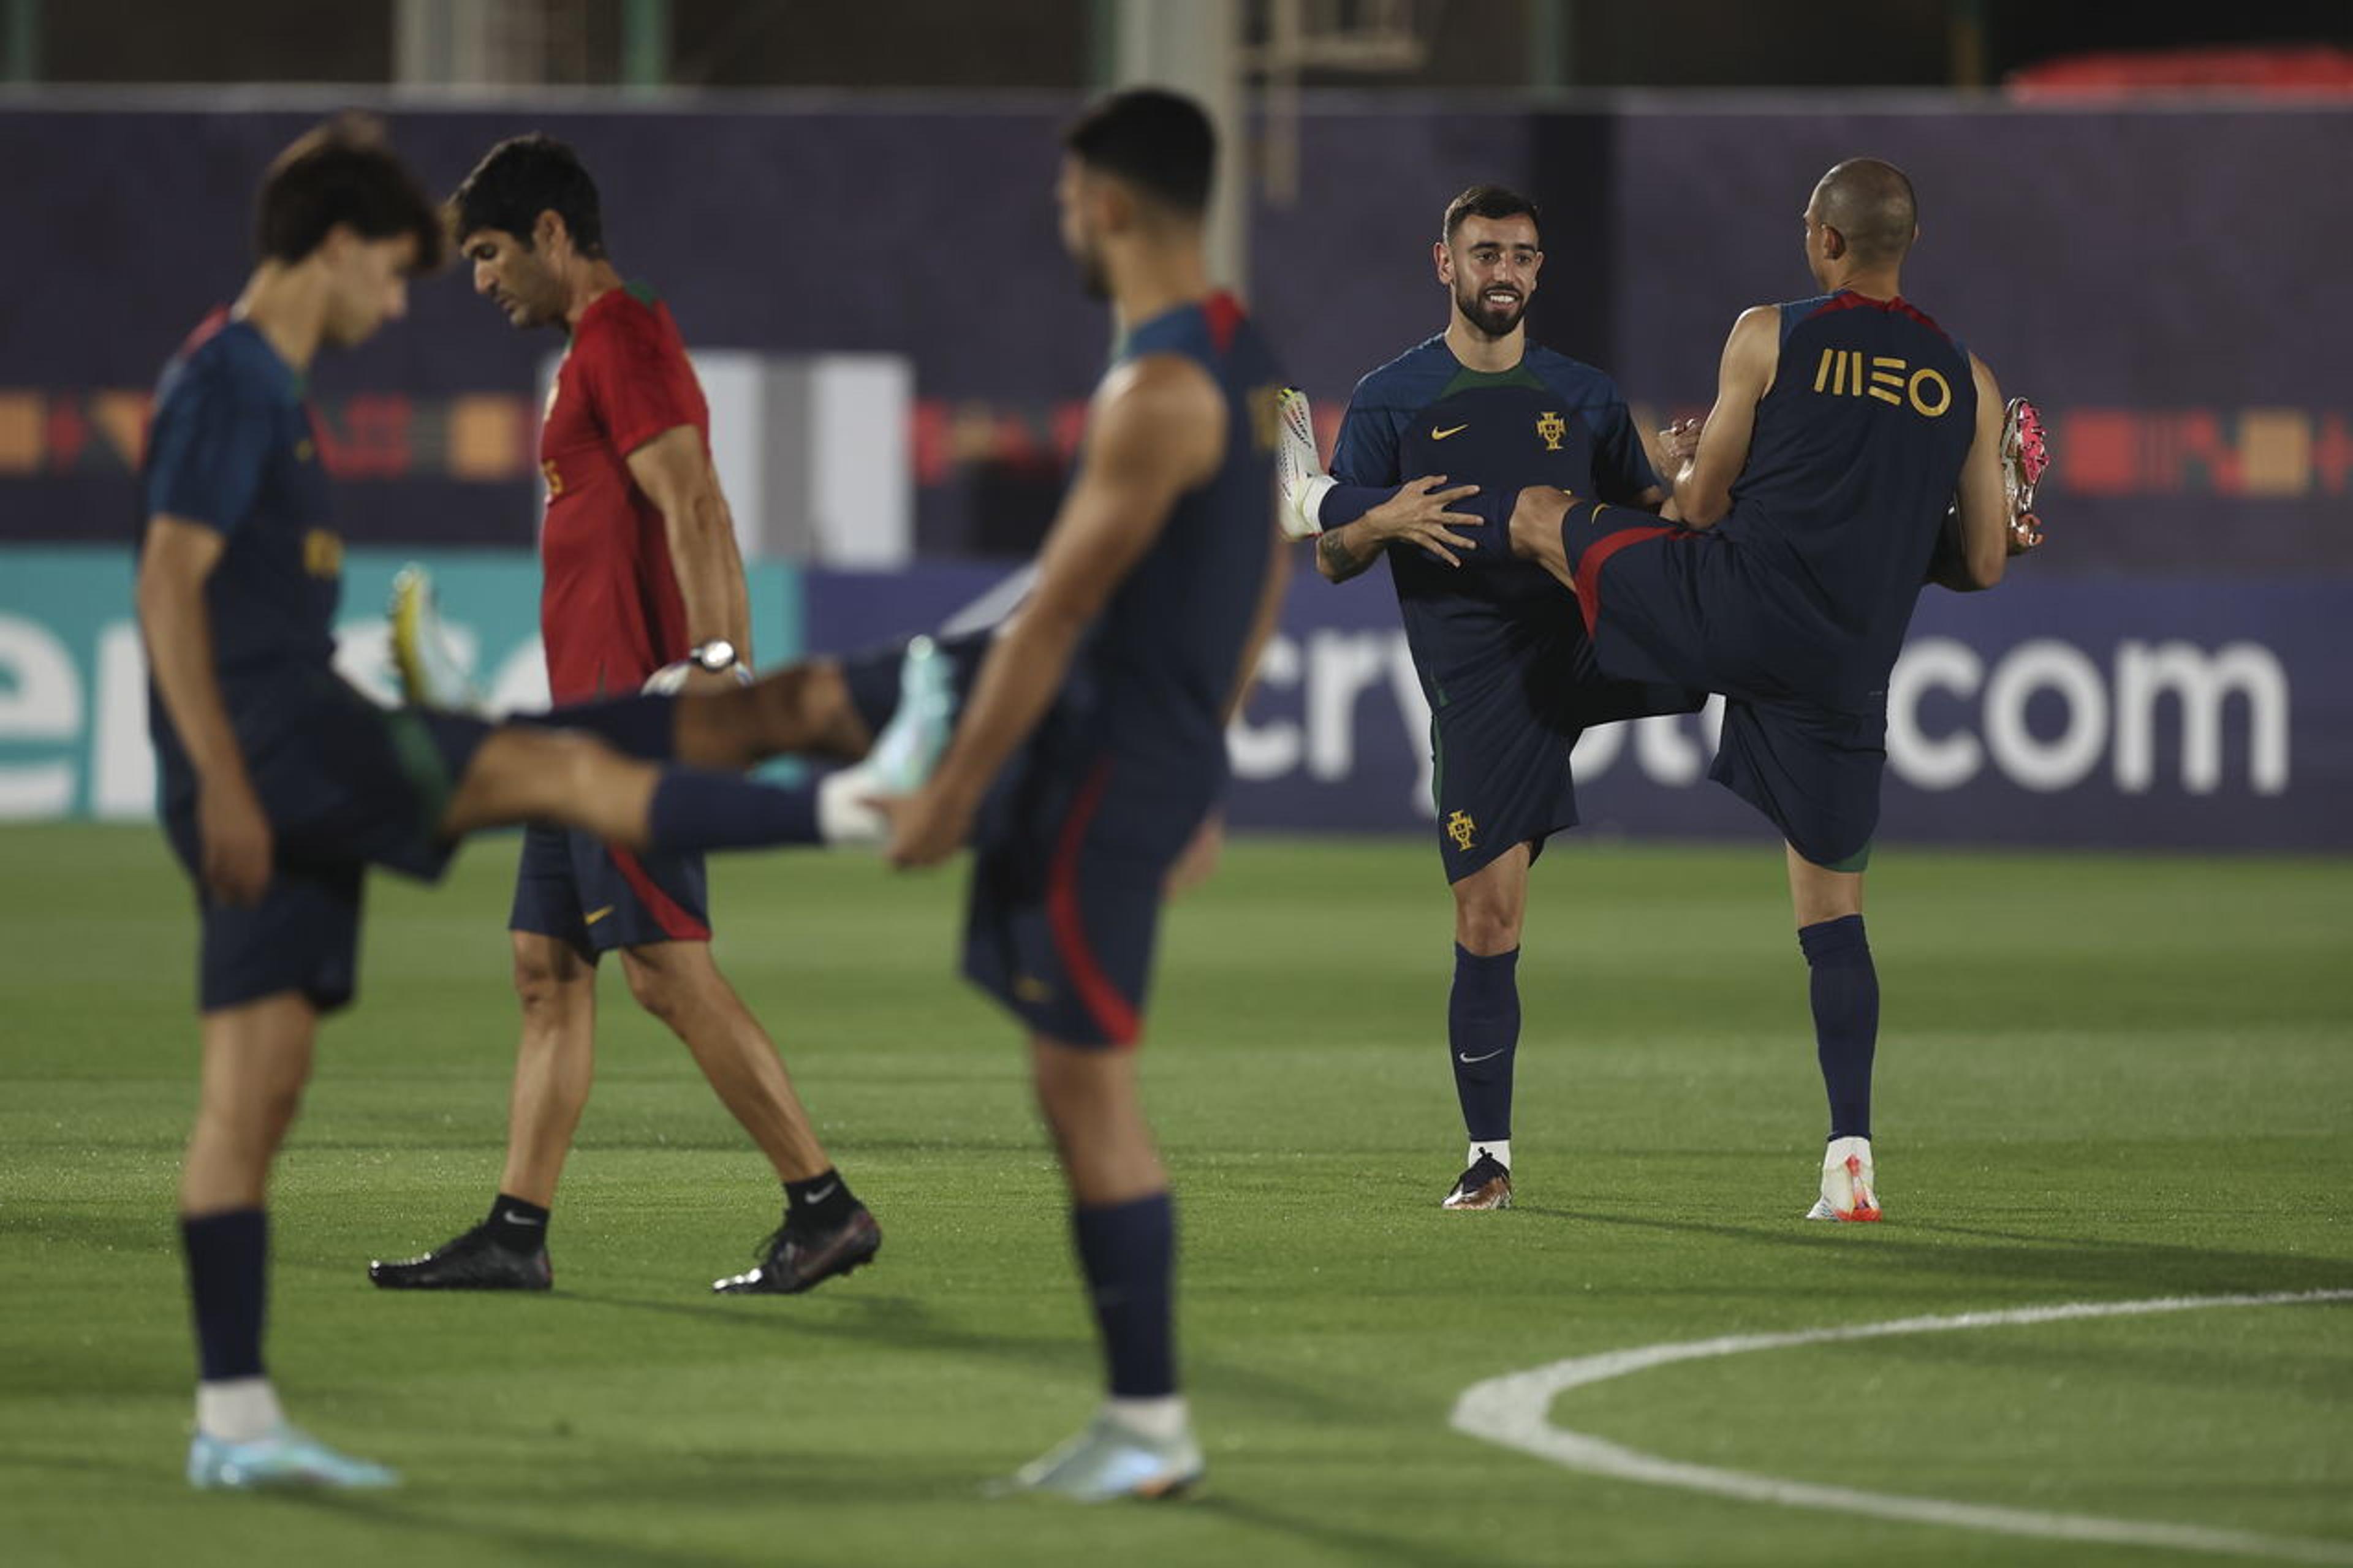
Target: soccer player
<point>1843,428</point>
<point>1091,745</point>
<point>641,571</point>
<point>280,783</point>
<point>1502,658</point>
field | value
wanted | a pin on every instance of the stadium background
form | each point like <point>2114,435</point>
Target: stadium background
<point>2153,269</point>
<point>2117,1063</point>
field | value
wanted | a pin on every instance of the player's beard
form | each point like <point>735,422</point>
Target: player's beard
<point>1493,321</point>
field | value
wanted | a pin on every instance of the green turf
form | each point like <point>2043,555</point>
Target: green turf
<point>2101,1078</point>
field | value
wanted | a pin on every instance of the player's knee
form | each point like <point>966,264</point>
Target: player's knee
<point>1486,938</point>
<point>1063,1077</point>
<point>250,1125</point>
<point>671,980</point>
<point>1486,924</point>
<point>663,997</point>
<point>544,974</point>
<point>1535,522</point>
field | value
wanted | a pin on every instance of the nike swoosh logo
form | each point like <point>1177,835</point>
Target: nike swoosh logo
<point>1441,434</point>
<point>514,1218</point>
<point>824,1191</point>
<point>595,915</point>
<point>1491,1056</point>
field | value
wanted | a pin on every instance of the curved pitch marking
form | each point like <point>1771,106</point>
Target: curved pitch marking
<point>1513,1411</point>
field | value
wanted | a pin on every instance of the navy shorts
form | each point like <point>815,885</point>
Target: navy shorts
<point>1675,605</point>
<point>345,784</point>
<point>596,896</point>
<point>1498,750</point>
<point>1071,852</point>
<point>1069,869</point>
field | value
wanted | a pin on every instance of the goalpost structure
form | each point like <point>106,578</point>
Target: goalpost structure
<point>1219,51</point>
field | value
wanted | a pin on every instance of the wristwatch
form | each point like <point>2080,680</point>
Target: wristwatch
<point>716,656</point>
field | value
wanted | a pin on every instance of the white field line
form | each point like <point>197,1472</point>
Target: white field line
<point>1514,1411</point>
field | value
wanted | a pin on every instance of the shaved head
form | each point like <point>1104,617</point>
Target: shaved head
<point>1871,204</point>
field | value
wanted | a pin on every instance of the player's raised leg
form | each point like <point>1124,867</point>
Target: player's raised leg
<point>1534,526</point>
<point>807,710</point>
<point>1482,1022</point>
<point>257,1057</point>
<point>1828,901</point>
<point>1124,1223</point>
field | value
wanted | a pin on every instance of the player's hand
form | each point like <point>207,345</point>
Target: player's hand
<point>2025,533</point>
<point>1199,860</point>
<point>928,827</point>
<point>234,840</point>
<point>1418,514</point>
<point>1678,445</point>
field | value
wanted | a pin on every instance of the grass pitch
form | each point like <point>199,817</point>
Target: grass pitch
<point>2100,1078</point>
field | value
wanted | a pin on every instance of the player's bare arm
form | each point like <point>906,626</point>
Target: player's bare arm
<point>1200,857</point>
<point>674,471</point>
<point>1418,514</point>
<point>1156,431</point>
<point>1262,620</point>
<point>234,834</point>
<point>1702,488</point>
<point>1981,501</point>
<point>1752,354</point>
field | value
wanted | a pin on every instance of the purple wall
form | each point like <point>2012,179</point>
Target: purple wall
<point>2165,282</point>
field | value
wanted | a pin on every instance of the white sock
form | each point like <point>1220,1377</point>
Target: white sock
<point>237,1409</point>
<point>1835,1151</point>
<point>1311,497</point>
<point>1162,1420</point>
<point>1499,1149</point>
<point>845,814</point>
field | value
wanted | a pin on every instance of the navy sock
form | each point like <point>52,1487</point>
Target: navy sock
<point>517,1226</point>
<point>1128,1252</point>
<point>697,810</point>
<point>228,1278</point>
<point>1482,1037</point>
<point>636,726</point>
<point>1846,1018</point>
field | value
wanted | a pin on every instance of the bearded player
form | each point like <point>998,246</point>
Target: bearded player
<point>1502,659</point>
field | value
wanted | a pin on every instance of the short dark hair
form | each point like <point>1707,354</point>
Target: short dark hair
<point>343,172</point>
<point>1491,202</point>
<point>522,177</point>
<point>1871,203</point>
<point>1158,141</point>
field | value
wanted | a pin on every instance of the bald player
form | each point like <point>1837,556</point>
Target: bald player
<point>1811,507</point>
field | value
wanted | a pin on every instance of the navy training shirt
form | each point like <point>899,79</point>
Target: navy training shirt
<point>1166,655</point>
<point>1857,449</point>
<point>231,446</point>
<point>1549,420</point>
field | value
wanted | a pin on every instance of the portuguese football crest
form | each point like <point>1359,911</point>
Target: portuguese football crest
<point>1461,829</point>
<point>1552,427</point>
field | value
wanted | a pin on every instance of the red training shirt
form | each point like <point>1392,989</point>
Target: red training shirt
<point>609,610</point>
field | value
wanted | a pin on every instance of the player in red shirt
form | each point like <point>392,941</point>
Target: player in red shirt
<point>641,571</point>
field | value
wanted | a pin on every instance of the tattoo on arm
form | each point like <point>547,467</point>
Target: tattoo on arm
<point>1339,562</point>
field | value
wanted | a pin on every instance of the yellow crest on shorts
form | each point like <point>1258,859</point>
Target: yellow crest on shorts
<point>1552,427</point>
<point>322,554</point>
<point>1460,828</point>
